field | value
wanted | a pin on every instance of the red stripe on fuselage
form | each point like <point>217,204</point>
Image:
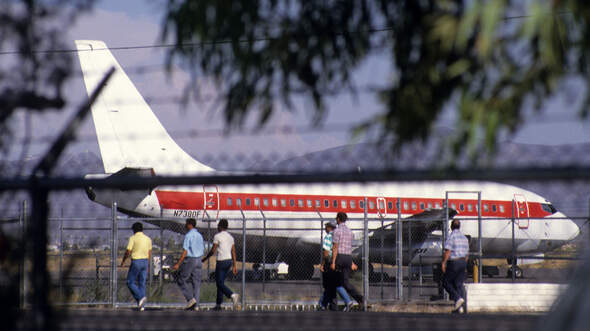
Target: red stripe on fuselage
<point>293,203</point>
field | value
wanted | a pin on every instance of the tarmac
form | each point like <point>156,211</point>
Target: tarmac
<point>175,319</point>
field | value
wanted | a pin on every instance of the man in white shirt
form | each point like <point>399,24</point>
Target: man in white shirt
<point>223,245</point>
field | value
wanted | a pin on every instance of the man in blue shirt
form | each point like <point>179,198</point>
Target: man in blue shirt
<point>454,263</point>
<point>189,277</point>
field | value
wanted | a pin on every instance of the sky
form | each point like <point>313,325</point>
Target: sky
<point>137,23</point>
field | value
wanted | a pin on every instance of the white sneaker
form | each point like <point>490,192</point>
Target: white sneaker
<point>191,304</point>
<point>349,306</point>
<point>141,303</point>
<point>459,303</point>
<point>235,298</point>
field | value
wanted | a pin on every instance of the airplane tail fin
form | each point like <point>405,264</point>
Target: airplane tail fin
<point>129,134</point>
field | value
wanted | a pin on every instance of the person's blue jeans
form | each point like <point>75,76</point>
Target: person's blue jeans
<point>189,278</point>
<point>222,268</point>
<point>136,278</point>
<point>341,291</point>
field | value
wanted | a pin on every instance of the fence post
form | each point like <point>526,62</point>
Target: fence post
<point>399,252</point>
<point>61,258</point>
<point>243,260</point>
<point>114,248</point>
<point>513,257</point>
<point>37,237</point>
<point>479,240</point>
<point>23,266</point>
<point>162,245</point>
<point>410,257</point>
<point>263,251</point>
<point>365,259</point>
<point>382,245</point>
<point>209,241</point>
<point>322,251</point>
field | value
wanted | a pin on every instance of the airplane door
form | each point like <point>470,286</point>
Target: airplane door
<point>522,211</point>
<point>382,207</point>
<point>210,201</point>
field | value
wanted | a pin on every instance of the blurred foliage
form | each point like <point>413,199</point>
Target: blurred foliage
<point>487,59</point>
<point>31,76</point>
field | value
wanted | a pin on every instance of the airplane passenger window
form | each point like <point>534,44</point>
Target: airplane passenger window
<point>300,203</point>
<point>318,204</point>
<point>326,203</point>
<point>335,203</point>
<point>454,206</point>
<point>501,208</point>
<point>469,207</point>
<point>413,205</point>
<point>256,202</point>
<point>485,207</point>
<point>436,205</point>
<point>343,204</point>
<point>265,202</point>
<point>283,203</point>
<point>361,204</point>
<point>389,205</point>
<point>238,202</point>
<point>422,205</point>
<point>371,204</point>
<point>405,205</point>
<point>274,202</point>
<point>229,201</point>
<point>247,201</point>
<point>292,203</point>
<point>352,204</point>
<point>381,204</point>
<point>430,205</point>
<point>309,205</point>
<point>462,207</point>
<point>494,208</point>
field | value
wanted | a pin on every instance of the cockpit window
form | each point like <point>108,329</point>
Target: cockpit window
<point>548,208</point>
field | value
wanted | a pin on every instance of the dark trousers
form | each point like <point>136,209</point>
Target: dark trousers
<point>453,278</point>
<point>343,269</point>
<point>330,281</point>
<point>222,268</point>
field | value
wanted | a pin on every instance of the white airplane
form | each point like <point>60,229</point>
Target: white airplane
<point>133,142</point>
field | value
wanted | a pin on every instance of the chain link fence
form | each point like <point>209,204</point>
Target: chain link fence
<point>279,258</point>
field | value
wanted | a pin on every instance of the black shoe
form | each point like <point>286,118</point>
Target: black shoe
<point>217,308</point>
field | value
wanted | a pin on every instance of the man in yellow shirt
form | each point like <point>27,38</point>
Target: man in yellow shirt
<point>140,249</point>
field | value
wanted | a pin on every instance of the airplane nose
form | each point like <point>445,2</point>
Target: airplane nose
<point>571,229</point>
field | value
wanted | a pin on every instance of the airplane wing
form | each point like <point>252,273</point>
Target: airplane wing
<point>420,225</point>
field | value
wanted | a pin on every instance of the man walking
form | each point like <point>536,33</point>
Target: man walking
<point>140,250</point>
<point>454,263</point>
<point>189,277</point>
<point>341,255</point>
<point>223,245</point>
<point>330,279</point>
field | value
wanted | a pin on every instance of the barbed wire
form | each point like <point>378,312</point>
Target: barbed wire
<point>226,41</point>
